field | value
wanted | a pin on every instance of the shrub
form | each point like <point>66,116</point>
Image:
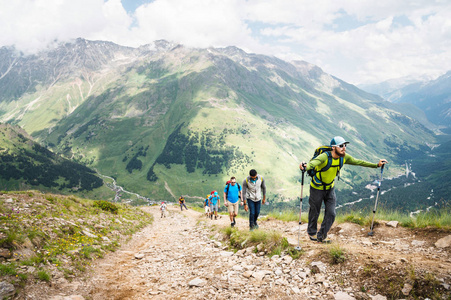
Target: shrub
<point>88,250</point>
<point>8,241</point>
<point>106,206</point>
<point>43,275</point>
<point>7,269</point>
<point>51,198</point>
<point>337,254</point>
<point>272,241</point>
<point>295,254</point>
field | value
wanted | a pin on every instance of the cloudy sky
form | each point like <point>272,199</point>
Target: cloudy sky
<point>359,41</point>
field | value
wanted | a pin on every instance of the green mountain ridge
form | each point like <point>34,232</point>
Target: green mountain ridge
<point>167,120</point>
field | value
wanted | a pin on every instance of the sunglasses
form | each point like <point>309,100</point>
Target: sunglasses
<point>342,146</point>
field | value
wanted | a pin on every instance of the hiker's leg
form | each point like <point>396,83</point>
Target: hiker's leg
<point>235,209</point>
<point>329,214</point>
<point>258,204</point>
<point>315,200</point>
<point>230,211</point>
<point>251,205</point>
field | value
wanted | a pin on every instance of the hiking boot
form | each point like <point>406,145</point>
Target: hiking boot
<point>313,237</point>
<point>232,224</point>
<point>324,241</point>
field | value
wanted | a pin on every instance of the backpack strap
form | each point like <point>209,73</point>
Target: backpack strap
<point>317,178</point>
<point>227,190</point>
<point>340,164</point>
<point>325,168</point>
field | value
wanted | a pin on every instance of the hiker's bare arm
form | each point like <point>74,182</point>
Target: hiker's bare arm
<point>303,165</point>
<point>382,162</point>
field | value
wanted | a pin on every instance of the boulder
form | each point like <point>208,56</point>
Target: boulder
<point>89,234</point>
<point>259,275</point>
<point>247,274</point>
<point>418,243</point>
<point>378,297</point>
<point>6,290</point>
<point>393,224</point>
<point>139,255</point>
<point>444,242</point>
<point>5,253</point>
<point>196,282</point>
<point>287,259</point>
<point>343,296</point>
<point>406,289</point>
<point>225,253</point>
<point>318,266</point>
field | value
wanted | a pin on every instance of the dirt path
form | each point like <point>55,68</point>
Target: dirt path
<point>181,257</point>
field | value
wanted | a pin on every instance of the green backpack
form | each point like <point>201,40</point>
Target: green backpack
<point>316,174</point>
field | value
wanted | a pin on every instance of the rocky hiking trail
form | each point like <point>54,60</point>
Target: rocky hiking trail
<point>183,256</point>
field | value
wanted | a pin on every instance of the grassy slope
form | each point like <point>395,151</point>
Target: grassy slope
<point>46,237</point>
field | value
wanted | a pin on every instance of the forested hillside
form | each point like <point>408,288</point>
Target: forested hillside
<point>26,164</point>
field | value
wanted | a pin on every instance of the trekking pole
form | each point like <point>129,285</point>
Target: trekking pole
<point>298,248</point>
<point>371,233</point>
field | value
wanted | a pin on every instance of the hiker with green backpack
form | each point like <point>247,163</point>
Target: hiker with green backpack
<point>323,168</point>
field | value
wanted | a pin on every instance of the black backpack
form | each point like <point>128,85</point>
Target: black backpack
<point>227,188</point>
<point>316,174</point>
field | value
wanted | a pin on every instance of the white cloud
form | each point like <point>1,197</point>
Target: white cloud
<point>31,25</point>
<point>356,40</point>
<point>193,23</point>
<point>378,49</point>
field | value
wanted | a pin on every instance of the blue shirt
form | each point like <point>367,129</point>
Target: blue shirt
<point>232,195</point>
<point>214,200</point>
